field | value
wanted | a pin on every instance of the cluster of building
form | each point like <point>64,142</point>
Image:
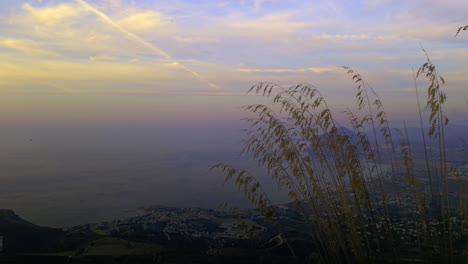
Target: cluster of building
<point>174,223</point>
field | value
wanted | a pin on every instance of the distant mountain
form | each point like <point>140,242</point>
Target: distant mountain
<point>8,217</point>
<point>340,130</point>
<point>21,236</point>
<point>456,136</point>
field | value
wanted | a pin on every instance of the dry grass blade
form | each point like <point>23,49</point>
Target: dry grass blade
<point>338,176</point>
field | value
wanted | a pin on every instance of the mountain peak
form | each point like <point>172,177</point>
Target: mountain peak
<point>9,217</point>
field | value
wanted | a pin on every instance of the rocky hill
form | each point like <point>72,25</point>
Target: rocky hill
<point>20,236</point>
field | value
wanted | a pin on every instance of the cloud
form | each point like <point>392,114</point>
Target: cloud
<point>106,19</point>
<point>51,15</point>
<point>426,20</point>
<point>92,45</point>
<point>341,37</point>
<point>113,3</point>
<point>70,30</point>
<point>300,70</point>
<point>193,38</point>
<point>25,46</point>
<point>226,43</point>
<point>142,21</point>
<point>274,24</point>
<point>157,50</point>
<point>86,75</point>
<point>101,58</point>
<point>411,29</point>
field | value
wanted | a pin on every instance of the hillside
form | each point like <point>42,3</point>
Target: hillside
<point>20,236</point>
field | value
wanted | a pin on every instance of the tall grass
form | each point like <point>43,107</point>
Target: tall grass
<point>351,186</point>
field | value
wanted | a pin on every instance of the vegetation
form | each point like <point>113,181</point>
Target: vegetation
<point>355,186</point>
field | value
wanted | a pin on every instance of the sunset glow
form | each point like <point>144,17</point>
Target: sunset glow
<point>66,60</point>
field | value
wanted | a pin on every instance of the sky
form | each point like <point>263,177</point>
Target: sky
<point>184,62</point>
<point>129,102</point>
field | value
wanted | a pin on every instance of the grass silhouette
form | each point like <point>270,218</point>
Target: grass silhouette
<point>341,178</point>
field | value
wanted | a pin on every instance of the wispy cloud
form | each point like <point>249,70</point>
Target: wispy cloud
<point>101,58</point>
<point>142,21</point>
<point>300,70</point>
<point>51,15</point>
<point>141,41</point>
<point>129,34</point>
<point>25,46</point>
<point>276,24</point>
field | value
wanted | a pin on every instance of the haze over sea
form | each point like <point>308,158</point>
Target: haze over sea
<point>77,175</point>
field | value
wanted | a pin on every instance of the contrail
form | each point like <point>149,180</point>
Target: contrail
<point>143,42</point>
